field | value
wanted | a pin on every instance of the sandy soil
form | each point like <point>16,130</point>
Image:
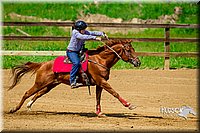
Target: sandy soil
<point>64,109</point>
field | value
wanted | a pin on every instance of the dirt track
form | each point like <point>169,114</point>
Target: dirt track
<point>66,109</point>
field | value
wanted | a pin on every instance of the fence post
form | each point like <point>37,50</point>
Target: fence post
<point>167,48</point>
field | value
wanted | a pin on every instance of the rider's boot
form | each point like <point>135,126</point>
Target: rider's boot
<point>74,84</point>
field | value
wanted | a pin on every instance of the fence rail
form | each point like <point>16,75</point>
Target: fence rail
<point>166,54</point>
<point>53,38</point>
<point>119,25</point>
<point>59,53</point>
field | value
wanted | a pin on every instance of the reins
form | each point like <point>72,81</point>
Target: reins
<point>114,52</point>
<point>101,64</point>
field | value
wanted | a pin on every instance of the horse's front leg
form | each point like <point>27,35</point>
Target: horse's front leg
<point>109,89</point>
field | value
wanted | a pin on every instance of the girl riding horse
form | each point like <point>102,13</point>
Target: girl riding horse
<point>79,35</point>
<point>98,71</point>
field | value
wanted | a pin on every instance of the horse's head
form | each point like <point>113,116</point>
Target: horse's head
<point>129,54</point>
<point>123,49</point>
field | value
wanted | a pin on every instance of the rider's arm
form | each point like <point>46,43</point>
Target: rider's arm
<point>94,33</point>
<point>84,36</point>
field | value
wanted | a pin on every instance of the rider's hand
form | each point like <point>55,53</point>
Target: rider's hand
<point>98,38</point>
<point>105,36</point>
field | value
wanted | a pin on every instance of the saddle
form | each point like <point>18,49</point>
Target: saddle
<point>83,58</point>
<point>63,63</point>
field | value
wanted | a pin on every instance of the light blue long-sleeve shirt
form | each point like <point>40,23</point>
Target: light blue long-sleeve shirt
<point>78,39</point>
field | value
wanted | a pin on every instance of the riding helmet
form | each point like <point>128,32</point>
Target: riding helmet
<point>80,25</point>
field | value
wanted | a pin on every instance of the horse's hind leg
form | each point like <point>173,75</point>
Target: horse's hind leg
<point>41,93</point>
<point>27,94</point>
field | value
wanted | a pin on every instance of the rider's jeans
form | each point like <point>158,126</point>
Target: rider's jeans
<point>75,59</point>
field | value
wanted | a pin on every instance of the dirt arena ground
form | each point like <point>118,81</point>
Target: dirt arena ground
<point>64,109</point>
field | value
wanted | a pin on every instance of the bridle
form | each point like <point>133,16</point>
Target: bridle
<point>126,53</point>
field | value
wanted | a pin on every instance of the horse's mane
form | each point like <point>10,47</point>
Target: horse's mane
<point>109,43</point>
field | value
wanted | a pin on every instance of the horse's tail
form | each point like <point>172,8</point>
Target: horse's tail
<point>19,71</point>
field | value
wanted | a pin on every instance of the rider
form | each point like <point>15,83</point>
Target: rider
<point>79,35</point>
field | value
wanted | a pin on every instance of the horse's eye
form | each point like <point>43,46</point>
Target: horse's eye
<point>127,48</point>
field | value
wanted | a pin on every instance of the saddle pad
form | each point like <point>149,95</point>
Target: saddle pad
<point>60,66</point>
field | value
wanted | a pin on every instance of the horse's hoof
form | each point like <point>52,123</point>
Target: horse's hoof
<point>12,110</point>
<point>29,107</point>
<point>101,115</point>
<point>131,107</point>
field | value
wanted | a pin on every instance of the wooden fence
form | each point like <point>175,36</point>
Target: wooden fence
<point>166,54</point>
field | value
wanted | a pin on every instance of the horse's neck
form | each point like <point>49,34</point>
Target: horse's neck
<point>111,59</point>
<point>108,58</point>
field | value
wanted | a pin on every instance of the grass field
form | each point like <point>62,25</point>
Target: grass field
<point>126,11</point>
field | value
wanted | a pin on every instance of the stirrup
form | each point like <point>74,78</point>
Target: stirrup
<point>86,79</point>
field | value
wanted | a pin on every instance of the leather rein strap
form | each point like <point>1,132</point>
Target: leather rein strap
<point>114,51</point>
<point>99,64</point>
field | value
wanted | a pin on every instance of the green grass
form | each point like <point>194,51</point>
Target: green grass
<point>34,45</point>
<point>37,31</point>
<point>126,11</point>
<point>55,11</point>
<point>11,61</point>
<point>184,62</point>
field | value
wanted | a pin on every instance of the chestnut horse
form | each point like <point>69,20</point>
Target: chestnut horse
<point>100,62</point>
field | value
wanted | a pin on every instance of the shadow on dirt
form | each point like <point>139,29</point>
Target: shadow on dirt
<point>84,114</point>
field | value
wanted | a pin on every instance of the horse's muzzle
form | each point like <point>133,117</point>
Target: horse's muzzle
<point>136,62</point>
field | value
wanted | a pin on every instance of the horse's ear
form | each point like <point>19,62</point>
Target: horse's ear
<point>129,40</point>
<point>109,42</point>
